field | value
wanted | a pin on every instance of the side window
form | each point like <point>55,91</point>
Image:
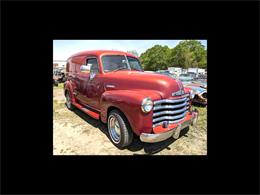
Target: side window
<point>134,63</point>
<point>94,65</point>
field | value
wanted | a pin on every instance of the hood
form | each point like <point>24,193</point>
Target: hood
<point>142,81</point>
<point>197,89</point>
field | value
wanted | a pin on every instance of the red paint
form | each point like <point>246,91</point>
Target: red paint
<point>160,129</point>
<point>87,111</point>
<point>131,87</point>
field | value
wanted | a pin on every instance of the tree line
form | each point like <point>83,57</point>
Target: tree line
<point>187,54</point>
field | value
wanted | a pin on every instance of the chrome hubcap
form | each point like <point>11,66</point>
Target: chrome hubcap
<point>114,129</point>
<point>68,100</point>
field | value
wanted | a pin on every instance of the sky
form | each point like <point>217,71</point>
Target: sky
<point>63,49</point>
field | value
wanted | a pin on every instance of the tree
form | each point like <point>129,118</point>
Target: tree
<point>156,58</point>
<point>134,52</point>
<point>189,54</point>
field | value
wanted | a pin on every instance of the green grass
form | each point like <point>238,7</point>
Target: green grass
<point>202,119</point>
<point>60,86</point>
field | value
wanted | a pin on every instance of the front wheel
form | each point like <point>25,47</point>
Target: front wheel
<point>69,104</point>
<point>119,129</point>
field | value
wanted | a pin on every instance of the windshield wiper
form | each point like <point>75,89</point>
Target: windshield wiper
<point>136,69</point>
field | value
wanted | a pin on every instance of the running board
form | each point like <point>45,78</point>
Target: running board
<point>87,111</point>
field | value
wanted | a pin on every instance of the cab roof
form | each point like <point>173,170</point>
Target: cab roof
<point>100,52</point>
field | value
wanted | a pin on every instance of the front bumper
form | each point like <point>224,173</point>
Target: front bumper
<point>157,137</point>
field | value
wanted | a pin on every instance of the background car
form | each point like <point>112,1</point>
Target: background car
<point>192,74</point>
<point>185,78</point>
<point>199,93</point>
<point>167,73</point>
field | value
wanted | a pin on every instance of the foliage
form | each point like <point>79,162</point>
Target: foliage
<point>186,54</point>
<point>156,58</point>
<point>189,54</point>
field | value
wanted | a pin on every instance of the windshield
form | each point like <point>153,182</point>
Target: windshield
<point>120,62</point>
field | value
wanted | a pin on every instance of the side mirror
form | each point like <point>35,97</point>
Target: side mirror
<point>85,68</point>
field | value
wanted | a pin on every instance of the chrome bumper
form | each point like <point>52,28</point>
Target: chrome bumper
<point>152,138</point>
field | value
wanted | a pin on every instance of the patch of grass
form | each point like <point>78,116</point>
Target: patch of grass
<point>60,86</point>
<point>202,120</point>
<point>57,105</point>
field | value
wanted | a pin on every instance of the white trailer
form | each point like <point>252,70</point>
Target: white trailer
<point>201,71</point>
<point>197,71</point>
<point>175,70</point>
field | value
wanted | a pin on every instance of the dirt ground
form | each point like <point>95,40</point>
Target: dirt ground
<point>75,133</point>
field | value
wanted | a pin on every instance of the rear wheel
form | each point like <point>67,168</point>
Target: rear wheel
<point>69,104</point>
<point>55,83</point>
<point>119,129</point>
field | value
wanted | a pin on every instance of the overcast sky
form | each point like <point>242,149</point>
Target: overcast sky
<point>62,49</point>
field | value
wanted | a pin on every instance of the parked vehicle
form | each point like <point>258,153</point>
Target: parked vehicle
<point>59,75</point>
<point>201,82</point>
<point>199,93</point>
<point>55,80</point>
<point>167,73</point>
<point>185,78</point>
<point>198,88</point>
<point>192,74</point>
<point>196,71</point>
<point>201,76</point>
<point>111,86</point>
<point>175,70</point>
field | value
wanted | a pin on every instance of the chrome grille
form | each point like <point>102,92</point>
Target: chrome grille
<point>171,110</point>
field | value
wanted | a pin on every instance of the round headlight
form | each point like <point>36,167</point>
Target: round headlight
<point>147,105</point>
<point>192,94</point>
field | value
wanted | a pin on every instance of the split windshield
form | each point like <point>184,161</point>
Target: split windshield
<point>120,62</point>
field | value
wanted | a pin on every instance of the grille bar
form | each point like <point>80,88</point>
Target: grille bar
<point>170,110</point>
<point>169,117</point>
<point>159,107</point>
<point>170,101</point>
<point>170,122</point>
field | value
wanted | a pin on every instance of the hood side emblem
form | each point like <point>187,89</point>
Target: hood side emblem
<point>181,90</point>
<point>178,93</point>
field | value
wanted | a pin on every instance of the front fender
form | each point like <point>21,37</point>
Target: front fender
<point>129,102</point>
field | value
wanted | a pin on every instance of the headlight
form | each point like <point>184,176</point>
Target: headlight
<point>147,105</point>
<point>192,94</point>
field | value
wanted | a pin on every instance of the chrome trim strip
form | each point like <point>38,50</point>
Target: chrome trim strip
<point>170,106</point>
<point>157,137</point>
<point>169,112</point>
<point>169,117</point>
<point>152,138</point>
<point>170,101</point>
<point>110,86</point>
<point>170,122</point>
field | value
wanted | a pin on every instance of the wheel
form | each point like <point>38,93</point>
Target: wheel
<point>69,105</point>
<point>55,83</point>
<point>119,129</point>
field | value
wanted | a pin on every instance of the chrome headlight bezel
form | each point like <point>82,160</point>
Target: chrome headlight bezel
<point>192,94</point>
<point>147,105</point>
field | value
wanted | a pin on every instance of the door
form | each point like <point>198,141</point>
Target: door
<point>90,84</point>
